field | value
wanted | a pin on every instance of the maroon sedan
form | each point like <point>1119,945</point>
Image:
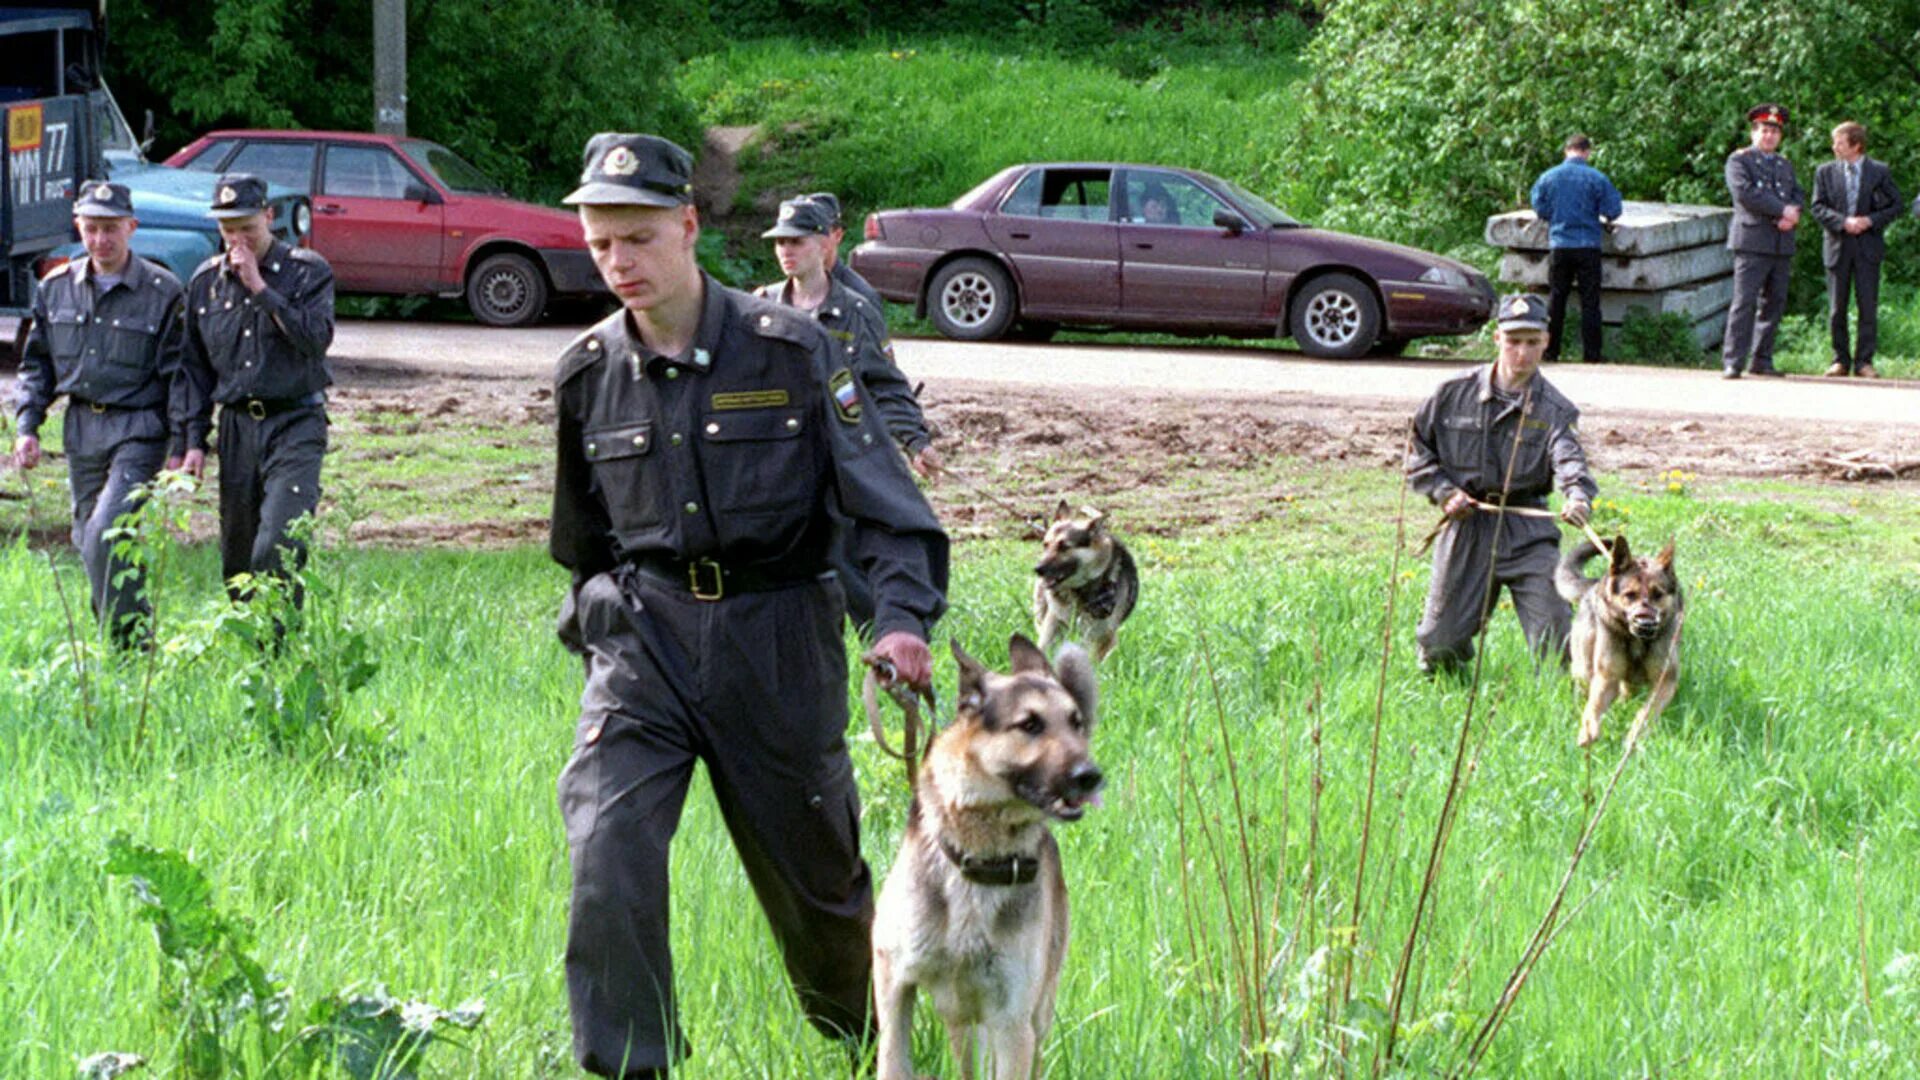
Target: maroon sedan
<point>1139,247</point>
<point>410,217</point>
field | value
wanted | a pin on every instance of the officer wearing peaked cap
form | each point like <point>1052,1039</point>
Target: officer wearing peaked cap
<point>1767,201</point>
<point>705,437</point>
<point>1501,431</point>
<point>109,334</point>
<point>802,241</point>
<point>836,266</point>
<point>259,322</point>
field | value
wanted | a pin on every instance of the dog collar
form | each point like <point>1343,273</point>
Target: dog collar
<point>1005,870</point>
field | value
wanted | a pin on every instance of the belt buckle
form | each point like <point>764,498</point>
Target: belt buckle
<point>256,409</point>
<point>693,580</point>
<point>96,407</point>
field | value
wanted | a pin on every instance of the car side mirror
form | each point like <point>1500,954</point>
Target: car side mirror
<point>1224,218</point>
<point>421,193</point>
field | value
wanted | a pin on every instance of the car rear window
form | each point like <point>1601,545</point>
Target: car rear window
<point>289,164</point>
<point>365,172</point>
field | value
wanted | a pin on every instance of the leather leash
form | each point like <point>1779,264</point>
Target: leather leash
<point>881,675</point>
<point>1606,548</point>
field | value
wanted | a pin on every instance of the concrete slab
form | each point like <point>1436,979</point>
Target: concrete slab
<point>1644,228</point>
<point>1640,274</point>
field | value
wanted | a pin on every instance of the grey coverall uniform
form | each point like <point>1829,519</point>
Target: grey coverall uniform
<point>117,356</point>
<point>1762,186</point>
<point>859,331</point>
<point>1463,437</point>
<point>691,503</point>
<point>263,358</point>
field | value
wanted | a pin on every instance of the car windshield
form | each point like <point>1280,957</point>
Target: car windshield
<point>1265,214</point>
<point>453,171</point>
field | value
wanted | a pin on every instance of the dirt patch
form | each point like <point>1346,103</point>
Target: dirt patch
<point>1170,462</point>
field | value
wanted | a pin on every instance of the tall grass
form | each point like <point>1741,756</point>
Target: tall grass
<point>1758,856</point>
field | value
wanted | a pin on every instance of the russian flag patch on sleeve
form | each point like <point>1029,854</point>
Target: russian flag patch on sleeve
<point>846,396</point>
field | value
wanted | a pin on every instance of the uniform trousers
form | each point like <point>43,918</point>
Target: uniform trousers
<point>1759,299</point>
<point>269,476</point>
<point>1459,601</point>
<point>754,686</point>
<point>109,455</point>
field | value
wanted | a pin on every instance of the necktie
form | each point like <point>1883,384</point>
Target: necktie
<point>1853,187</point>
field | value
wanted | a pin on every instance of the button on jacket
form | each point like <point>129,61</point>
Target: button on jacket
<point>730,452</point>
<point>1762,186</point>
<point>1571,198</point>
<point>1464,435</point>
<point>120,349</point>
<point>271,346</point>
<point>859,333</point>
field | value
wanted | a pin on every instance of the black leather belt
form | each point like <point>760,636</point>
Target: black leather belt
<point>709,579</point>
<point>101,407</point>
<point>261,408</point>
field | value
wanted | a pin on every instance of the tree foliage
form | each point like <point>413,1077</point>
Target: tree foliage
<point>1428,117</point>
<point>516,86</point>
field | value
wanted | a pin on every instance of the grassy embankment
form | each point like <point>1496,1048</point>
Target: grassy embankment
<point>891,124</point>
<point>1779,794</point>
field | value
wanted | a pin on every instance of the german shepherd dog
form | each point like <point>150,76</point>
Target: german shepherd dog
<point>974,911</point>
<point>1086,578</point>
<point>1626,635</point>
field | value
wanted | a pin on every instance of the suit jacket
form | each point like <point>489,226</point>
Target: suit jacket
<point>1762,186</point>
<point>1879,201</point>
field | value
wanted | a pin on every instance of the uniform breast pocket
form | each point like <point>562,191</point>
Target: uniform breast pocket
<point>128,345</point>
<point>65,333</point>
<point>1460,444</point>
<point>633,484</point>
<point>1531,464</point>
<point>756,460</point>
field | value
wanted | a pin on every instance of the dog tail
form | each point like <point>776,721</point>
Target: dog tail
<point>1569,580</point>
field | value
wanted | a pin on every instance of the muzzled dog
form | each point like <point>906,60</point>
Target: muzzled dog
<point>1626,635</point>
<point>1086,580</point>
<point>974,911</point>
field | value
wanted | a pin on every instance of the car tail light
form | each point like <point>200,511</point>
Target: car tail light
<point>49,264</point>
<point>873,227</point>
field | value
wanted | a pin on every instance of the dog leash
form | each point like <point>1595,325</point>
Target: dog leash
<point>1606,547</point>
<point>881,675</point>
<point>1035,525</point>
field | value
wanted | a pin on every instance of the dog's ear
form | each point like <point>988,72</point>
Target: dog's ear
<point>1026,657</point>
<point>1622,556</point>
<point>1096,520</point>
<point>1076,674</point>
<point>1664,560</point>
<point>972,672</point>
<point>1063,511</point>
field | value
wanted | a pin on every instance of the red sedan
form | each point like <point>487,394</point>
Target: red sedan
<point>1142,247</point>
<point>408,217</point>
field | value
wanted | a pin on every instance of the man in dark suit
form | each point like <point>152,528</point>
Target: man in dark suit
<point>1854,198</point>
<point>1766,209</point>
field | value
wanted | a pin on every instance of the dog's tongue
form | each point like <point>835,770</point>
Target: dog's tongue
<point>1094,799</point>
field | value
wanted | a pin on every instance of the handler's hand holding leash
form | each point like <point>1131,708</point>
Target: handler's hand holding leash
<point>902,665</point>
<point>1577,512</point>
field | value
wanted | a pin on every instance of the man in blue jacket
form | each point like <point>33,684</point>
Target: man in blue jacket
<point>1575,200</point>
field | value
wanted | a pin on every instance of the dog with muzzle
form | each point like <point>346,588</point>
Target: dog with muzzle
<point>1086,580</point>
<point>974,911</point>
<point>1626,633</point>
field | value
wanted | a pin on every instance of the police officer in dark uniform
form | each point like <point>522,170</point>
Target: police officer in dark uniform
<point>836,267</point>
<point>802,239</point>
<point>1766,208</point>
<point>704,436</point>
<point>1464,437</point>
<point>108,332</point>
<point>259,321</point>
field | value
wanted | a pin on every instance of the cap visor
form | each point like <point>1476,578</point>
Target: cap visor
<point>1523,324</point>
<point>601,193</point>
<point>98,210</point>
<point>236,212</point>
<point>779,231</point>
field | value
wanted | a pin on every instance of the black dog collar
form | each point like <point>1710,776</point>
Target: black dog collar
<point>1004,870</point>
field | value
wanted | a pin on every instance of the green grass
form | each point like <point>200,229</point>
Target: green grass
<point>1722,943</point>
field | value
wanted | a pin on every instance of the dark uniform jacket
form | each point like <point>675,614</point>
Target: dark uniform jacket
<point>731,451</point>
<point>120,350</point>
<point>1879,201</point>
<point>1762,186</point>
<point>859,332</point>
<point>271,347</point>
<point>848,276</point>
<point>1463,437</point>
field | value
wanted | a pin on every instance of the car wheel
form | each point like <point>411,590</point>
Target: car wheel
<point>971,300</point>
<point>506,290</point>
<point>1336,317</point>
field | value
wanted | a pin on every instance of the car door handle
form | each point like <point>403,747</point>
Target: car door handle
<point>1020,235</point>
<point>1144,247</point>
<point>326,208</point>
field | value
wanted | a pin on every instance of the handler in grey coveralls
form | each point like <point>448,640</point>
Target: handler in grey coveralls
<point>1767,201</point>
<point>108,333</point>
<point>1463,441</point>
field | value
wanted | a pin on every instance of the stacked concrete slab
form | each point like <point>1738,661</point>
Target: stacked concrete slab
<point>1662,258</point>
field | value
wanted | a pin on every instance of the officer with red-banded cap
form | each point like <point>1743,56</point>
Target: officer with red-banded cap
<point>705,439</point>
<point>1766,209</point>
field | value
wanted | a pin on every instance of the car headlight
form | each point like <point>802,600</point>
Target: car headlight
<point>302,219</point>
<point>1446,276</point>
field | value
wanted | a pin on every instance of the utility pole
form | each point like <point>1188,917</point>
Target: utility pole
<point>390,67</point>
